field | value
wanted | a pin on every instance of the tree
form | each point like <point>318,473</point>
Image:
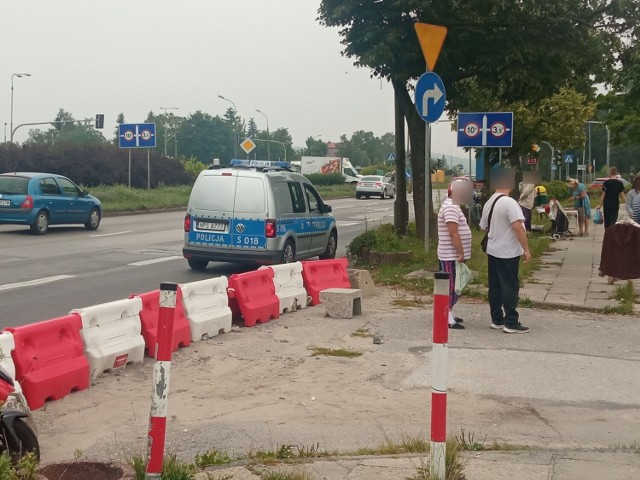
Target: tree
<point>521,52</point>
<point>203,136</point>
<point>315,148</point>
<point>65,129</point>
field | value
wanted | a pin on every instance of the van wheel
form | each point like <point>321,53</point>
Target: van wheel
<point>332,246</point>
<point>198,264</point>
<point>358,196</point>
<point>288,252</point>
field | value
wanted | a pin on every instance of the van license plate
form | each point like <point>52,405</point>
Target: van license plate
<point>5,203</point>
<point>213,226</point>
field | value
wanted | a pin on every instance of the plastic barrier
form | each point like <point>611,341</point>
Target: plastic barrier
<point>111,334</point>
<point>149,321</point>
<point>7,345</point>
<point>287,278</point>
<point>49,359</point>
<point>319,275</point>
<point>256,296</point>
<point>207,307</point>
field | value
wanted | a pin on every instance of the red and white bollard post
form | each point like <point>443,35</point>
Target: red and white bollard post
<point>161,374</point>
<point>439,375</point>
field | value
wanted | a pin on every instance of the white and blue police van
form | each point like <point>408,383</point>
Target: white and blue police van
<point>259,212</point>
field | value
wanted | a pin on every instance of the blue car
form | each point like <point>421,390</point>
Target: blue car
<point>43,199</point>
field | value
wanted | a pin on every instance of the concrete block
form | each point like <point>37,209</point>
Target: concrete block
<point>362,279</point>
<point>342,302</point>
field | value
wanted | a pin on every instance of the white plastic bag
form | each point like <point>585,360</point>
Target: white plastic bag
<point>463,277</point>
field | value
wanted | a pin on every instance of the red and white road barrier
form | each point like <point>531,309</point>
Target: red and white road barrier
<point>161,374</point>
<point>439,375</point>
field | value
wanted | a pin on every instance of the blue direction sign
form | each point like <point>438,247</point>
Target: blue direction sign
<point>485,129</point>
<point>568,158</point>
<point>430,97</point>
<point>137,135</point>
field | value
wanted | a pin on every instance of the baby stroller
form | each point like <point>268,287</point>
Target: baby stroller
<point>559,221</point>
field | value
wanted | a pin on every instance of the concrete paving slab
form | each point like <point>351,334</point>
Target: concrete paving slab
<point>597,466</point>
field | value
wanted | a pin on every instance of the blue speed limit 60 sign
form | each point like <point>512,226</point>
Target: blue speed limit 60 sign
<point>137,135</point>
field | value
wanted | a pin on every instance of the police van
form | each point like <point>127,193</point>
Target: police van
<point>258,212</point>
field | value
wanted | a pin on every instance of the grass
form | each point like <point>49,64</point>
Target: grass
<point>625,294</point>
<point>25,469</point>
<point>385,239</point>
<point>390,447</point>
<point>120,198</point>
<point>334,352</point>
<point>454,465</point>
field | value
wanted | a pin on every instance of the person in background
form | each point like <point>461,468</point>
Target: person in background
<point>632,194</point>
<point>582,205</point>
<point>526,200</point>
<point>612,194</point>
<point>541,196</point>
<point>507,242</point>
<point>635,212</point>
<point>454,245</point>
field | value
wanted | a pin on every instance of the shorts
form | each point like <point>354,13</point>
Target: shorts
<point>581,216</point>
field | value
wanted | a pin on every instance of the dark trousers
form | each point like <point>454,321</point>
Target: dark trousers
<point>527,218</point>
<point>610,215</point>
<point>503,290</point>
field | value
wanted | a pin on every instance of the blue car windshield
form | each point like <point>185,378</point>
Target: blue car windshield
<point>13,185</point>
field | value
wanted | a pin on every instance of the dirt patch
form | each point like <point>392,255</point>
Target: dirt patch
<point>84,470</point>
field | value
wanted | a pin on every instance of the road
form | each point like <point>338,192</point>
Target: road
<point>44,277</point>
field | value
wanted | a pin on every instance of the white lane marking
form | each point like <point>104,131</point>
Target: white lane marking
<point>31,283</point>
<point>338,208</point>
<point>111,234</point>
<point>155,260</point>
<point>344,223</point>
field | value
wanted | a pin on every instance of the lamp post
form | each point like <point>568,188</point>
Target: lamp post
<point>553,151</point>
<point>165,128</point>
<point>19,75</point>
<point>235,112</point>
<point>268,137</point>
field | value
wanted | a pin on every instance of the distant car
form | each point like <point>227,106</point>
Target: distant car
<point>43,199</point>
<point>375,185</point>
<point>597,183</point>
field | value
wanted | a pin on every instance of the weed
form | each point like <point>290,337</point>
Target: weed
<point>78,453</point>
<point>390,447</point>
<point>334,352</point>
<point>211,457</point>
<point>525,302</point>
<point>363,331</point>
<point>297,474</point>
<point>174,469</point>
<point>25,469</point>
<point>467,441</point>
<point>454,465</point>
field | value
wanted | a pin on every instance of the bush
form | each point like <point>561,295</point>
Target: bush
<point>557,189</point>
<point>325,179</point>
<point>383,239</point>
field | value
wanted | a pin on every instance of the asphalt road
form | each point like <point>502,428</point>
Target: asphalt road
<point>43,277</point>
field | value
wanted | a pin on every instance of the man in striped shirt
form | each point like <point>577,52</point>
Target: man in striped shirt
<point>454,244</point>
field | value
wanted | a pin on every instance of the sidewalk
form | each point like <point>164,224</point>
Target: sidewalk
<point>568,276</point>
<point>527,465</point>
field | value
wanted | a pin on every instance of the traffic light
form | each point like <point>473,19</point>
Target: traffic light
<point>99,120</point>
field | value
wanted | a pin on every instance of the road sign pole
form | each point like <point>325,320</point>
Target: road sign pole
<point>427,183</point>
<point>129,168</point>
<point>148,170</point>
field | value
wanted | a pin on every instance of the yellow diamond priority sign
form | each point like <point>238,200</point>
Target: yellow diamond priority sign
<point>431,38</point>
<point>247,145</point>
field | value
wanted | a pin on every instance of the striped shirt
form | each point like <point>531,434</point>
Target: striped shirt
<point>452,213</point>
<point>635,211</point>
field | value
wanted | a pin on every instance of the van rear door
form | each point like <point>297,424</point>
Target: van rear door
<point>248,223</point>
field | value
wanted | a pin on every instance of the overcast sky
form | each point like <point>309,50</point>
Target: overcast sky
<point>109,57</point>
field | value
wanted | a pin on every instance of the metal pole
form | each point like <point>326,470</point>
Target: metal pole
<point>19,75</point>
<point>148,169</point>
<point>427,183</point>
<point>589,143</point>
<point>439,367</point>
<point>129,168</point>
<point>161,377</point>
<point>235,131</point>
<point>608,145</point>
<point>268,136</point>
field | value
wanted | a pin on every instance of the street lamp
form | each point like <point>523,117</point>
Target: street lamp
<point>235,112</point>
<point>19,75</point>
<point>165,128</point>
<point>268,137</point>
